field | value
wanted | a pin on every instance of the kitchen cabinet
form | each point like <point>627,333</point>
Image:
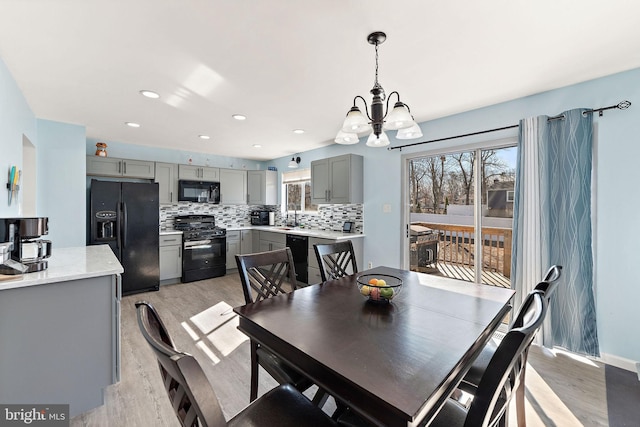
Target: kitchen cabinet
<point>111,166</point>
<point>246,241</point>
<point>313,269</point>
<point>170,258</point>
<point>270,241</point>
<point>233,187</point>
<point>337,180</point>
<point>167,178</point>
<point>198,173</point>
<point>233,248</point>
<point>262,187</point>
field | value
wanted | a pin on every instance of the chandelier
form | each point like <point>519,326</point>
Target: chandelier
<point>381,119</point>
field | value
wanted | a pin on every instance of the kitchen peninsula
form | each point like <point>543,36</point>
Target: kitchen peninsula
<point>60,330</point>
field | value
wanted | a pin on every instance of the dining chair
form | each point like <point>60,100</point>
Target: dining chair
<point>472,378</point>
<point>490,403</point>
<point>336,260</point>
<point>263,275</point>
<point>195,402</point>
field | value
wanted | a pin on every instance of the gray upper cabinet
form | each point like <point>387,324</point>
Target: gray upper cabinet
<point>198,173</point>
<point>337,180</point>
<point>262,187</point>
<point>167,179</point>
<point>111,166</point>
<point>233,187</point>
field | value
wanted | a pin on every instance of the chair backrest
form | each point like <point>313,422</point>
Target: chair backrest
<point>267,274</point>
<point>550,281</point>
<point>503,371</point>
<point>336,260</point>
<point>192,398</point>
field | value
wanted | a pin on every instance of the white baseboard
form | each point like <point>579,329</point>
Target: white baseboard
<point>620,362</point>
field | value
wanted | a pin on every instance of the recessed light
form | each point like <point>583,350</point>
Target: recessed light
<point>257,146</point>
<point>298,131</point>
<point>149,94</point>
<point>239,117</point>
<point>132,124</point>
<point>204,137</point>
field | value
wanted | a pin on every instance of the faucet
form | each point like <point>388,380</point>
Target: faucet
<point>295,214</point>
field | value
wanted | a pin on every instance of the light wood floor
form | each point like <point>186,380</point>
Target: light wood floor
<point>561,391</point>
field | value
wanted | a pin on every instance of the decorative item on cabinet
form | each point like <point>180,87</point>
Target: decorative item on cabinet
<point>101,149</point>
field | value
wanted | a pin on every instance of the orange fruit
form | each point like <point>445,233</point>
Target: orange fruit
<point>373,282</point>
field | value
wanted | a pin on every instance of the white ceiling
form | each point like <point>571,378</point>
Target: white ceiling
<point>289,64</point>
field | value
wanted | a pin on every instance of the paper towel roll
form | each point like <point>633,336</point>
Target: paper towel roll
<point>272,218</point>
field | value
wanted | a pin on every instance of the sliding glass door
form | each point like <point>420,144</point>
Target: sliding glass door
<point>458,212</point>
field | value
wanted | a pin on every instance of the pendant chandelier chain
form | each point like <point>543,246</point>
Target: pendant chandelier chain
<point>376,85</point>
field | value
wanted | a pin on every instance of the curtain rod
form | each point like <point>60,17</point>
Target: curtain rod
<point>620,106</point>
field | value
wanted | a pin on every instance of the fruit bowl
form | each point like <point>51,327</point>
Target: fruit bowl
<point>379,288</point>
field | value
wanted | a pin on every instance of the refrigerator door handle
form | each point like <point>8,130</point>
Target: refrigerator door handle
<point>124,224</point>
<point>119,229</point>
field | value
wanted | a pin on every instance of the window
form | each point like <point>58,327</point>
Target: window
<point>510,196</point>
<point>296,187</point>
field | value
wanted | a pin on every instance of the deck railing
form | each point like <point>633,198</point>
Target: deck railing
<point>457,245</point>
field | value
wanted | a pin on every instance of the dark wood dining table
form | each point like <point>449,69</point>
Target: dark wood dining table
<point>394,364</point>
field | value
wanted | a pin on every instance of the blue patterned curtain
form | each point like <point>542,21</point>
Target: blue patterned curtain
<point>552,225</point>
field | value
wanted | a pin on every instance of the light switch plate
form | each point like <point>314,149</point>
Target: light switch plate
<point>386,208</point>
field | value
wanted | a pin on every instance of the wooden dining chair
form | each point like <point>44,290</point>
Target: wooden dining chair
<point>263,275</point>
<point>471,380</point>
<point>195,402</point>
<point>501,377</point>
<point>336,260</point>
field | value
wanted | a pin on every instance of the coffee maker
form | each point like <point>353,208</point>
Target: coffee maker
<point>24,251</point>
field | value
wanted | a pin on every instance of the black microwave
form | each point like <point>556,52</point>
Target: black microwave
<point>198,191</point>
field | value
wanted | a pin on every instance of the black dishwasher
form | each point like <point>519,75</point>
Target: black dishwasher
<point>300,250</point>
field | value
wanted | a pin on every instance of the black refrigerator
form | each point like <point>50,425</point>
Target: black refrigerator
<point>125,215</point>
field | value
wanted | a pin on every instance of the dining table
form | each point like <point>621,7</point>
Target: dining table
<point>394,364</point>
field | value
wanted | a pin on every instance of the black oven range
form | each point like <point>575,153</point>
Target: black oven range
<point>204,247</point>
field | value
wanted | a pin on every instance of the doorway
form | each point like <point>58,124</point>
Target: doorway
<point>458,212</point>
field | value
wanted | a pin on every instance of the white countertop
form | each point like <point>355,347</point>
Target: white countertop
<point>310,232</point>
<point>69,264</point>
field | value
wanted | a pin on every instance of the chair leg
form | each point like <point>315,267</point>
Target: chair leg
<point>520,391</point>
<point>254,372</point>
<point>522,420</point>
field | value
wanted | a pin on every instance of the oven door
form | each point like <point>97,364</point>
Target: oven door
<point>203,254</point>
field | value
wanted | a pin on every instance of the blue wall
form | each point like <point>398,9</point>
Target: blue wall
<point>140,152</point>
<point>61,181</point>
<point>617,156</point>
<point>16,119</point>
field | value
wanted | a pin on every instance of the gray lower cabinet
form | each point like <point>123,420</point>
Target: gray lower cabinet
<point>170,258</point>
<point>246,241</point>
<point>239,242</point>
<point>270,241</point>
<point>167,178</point>
<point>111,166</point>
<point>313,270</point>
<point>233,248</point>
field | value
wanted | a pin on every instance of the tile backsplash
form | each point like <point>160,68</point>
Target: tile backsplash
<point>329,217</point>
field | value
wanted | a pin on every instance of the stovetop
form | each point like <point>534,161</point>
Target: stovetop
<point>198,227</point>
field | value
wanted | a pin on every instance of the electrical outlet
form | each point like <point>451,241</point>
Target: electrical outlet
<point>370,264</point>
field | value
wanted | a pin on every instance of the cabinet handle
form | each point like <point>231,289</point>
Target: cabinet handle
<point>170,240</point>
<point>328,195</point>
<point>171,196</point>
<point>119,167</point>
<point>125,168</point>
<point>180,252</point>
